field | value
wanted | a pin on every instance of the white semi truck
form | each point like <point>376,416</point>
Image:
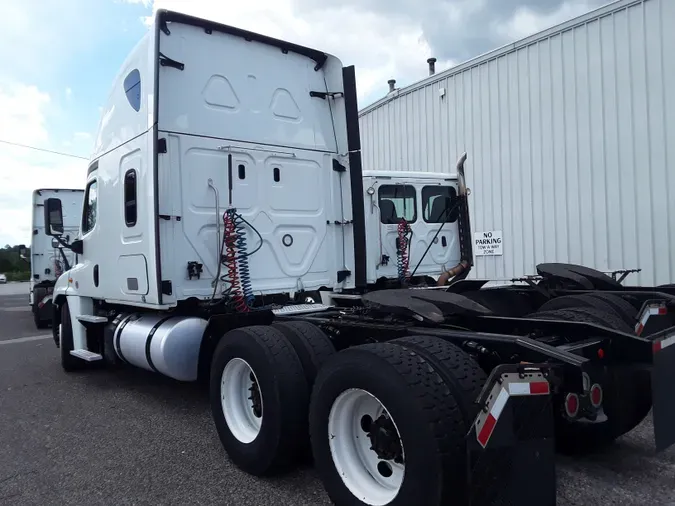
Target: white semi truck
<point>225,197</point>
<point>49,259</point>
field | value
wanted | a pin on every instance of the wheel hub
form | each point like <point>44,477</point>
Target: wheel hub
<point>384,438</point>
<point>255,397</point>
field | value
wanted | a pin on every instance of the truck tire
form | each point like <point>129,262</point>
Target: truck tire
<point>39,324</point>
<point>627,396</point>
<point>68,362</point>
<point>38,295</point>
<point>259,399</point>
<point>583,301</point>
<point>624,308</point>
<point>459,370</point>
<point>388,397</point>
<point>312,346</point>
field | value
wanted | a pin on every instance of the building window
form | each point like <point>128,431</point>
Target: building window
<point>397,202</point>
<point>130,205</point>
<point>90,207</point>
<point>132,88</point>
<point>437,204</point>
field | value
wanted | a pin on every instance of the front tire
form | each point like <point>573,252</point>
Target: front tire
<point>259,399</point>
<point>389,398</point>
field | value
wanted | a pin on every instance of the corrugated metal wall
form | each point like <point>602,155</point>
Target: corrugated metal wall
<point>570,137</point>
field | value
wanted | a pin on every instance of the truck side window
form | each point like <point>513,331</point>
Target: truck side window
<point>132,88</point>
<point>437,202</point>
<point>89,210</point>
<point>396,202</point>
<point>130,208</point>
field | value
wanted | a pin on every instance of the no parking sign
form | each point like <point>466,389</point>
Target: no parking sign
<point>488,243</point>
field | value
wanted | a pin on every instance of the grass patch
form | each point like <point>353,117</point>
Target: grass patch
<point>18,276</point>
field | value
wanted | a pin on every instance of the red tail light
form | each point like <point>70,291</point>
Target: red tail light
<point>596,395</point>
<point>572,405</point>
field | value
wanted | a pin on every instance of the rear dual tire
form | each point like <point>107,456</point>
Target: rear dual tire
<point>260,432</point>
<point>418,391</point>
<point>627,392</point>
<point>408,403</point>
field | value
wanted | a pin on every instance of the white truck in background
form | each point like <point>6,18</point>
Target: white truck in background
<point>48,258</point>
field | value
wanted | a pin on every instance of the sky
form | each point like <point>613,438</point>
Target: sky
<point>58,60</point>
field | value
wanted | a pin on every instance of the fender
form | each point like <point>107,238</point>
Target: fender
<point>61,289</point>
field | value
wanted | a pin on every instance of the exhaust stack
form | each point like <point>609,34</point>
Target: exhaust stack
<point>392,85</point>
<point>432,66</point>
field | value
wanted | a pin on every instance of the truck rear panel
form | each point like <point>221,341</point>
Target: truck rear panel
<point>253,126</point>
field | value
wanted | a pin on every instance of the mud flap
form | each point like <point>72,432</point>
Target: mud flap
<point>663,380</point>
<point>511,445</point>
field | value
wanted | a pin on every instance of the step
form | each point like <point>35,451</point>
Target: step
<point>86,355</point>
<point>92,319</point>
<point>300,309</point>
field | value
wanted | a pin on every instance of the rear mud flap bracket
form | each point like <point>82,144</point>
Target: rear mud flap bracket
<point>663,382</point>
<point>510,446</point>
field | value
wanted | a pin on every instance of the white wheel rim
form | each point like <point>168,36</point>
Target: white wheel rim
<point>235,390</point>
<point>350,449</point>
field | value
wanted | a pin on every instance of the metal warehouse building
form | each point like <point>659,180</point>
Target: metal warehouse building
<point>570,135</point>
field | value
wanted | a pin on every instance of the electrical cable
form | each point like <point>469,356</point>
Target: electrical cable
<point>42,149</point>
<point>234,257</point>
<point>402,252</point>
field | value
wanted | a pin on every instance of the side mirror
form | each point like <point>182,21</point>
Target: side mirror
<point>53,217</point>
<point>55,243</point>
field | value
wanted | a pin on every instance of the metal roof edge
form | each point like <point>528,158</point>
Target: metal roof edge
<point>598,12</point>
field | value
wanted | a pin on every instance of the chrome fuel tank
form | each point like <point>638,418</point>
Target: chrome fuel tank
<point>161,343</point>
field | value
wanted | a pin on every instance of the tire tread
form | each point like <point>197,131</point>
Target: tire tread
<point>439,409</point>
<point>313,347</point>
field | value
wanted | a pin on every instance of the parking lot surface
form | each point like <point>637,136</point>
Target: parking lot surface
<point>130,437</point>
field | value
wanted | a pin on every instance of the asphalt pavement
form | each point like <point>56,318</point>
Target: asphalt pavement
<point>131,437</point>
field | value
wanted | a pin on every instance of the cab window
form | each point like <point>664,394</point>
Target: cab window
<point>437,204</point>
<point>397,202</point>
<point>130,206</point>
<point>90,207</point>
<point>132,88</point>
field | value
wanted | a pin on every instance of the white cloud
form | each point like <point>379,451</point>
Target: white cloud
<point>526,21</point>
<point>69,92</point>
<point>22,120</point>
<point>82,136</point>
<point>21,114</point>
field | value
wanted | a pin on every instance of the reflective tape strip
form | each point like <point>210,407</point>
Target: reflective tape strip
<point>536,388</point>
<point>663,343</point>
<point>493,416</point>
<point>650,311</point>
<point>515,389</point>
<point>44,301</point>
